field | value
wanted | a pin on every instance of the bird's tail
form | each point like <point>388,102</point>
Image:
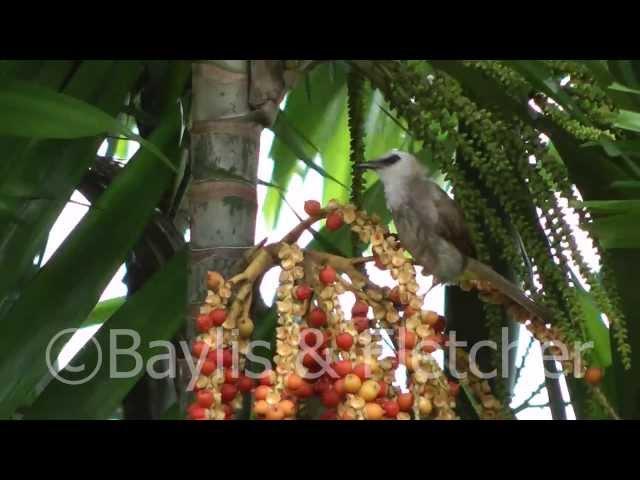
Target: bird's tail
<point>480,271</point>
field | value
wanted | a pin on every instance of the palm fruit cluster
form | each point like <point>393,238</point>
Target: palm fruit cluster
<point>322,355</point>
<point>223,337</point>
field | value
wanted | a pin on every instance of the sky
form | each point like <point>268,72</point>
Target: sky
<point>298,191</point>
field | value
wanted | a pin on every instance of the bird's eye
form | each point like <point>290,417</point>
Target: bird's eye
<point>391,159</point>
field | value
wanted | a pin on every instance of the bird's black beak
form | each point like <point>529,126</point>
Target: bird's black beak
<point>373,165</point>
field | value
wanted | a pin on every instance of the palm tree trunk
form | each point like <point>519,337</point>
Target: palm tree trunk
<point>233,100</point>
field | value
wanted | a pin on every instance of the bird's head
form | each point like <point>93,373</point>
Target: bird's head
<point>395,167</point>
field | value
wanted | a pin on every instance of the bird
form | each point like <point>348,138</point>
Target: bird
<point>432,228</point>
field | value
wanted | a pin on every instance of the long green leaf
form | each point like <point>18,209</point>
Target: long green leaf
<point>103,310</point>
<point>616,223</point>
<point>314,118</point>
<point>34,111</point>
<point>295,140</point>
<point>84,265</point>
<point>155,313</point>
<point>51,169</point>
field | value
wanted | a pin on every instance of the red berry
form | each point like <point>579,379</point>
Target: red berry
<point>305,390</point>
<point>230,376</point>
<point>328,275</point>
<point>267,377</point>
<point>198,348</point>
<point>196,412</point>
<point>245,384</point>
<point>330,398</point>
<point>303,292</point>
<point>360,309</point>
<point>228,411</point>
<point>310,338</point>
<point>208,367</point>
<point>204,398</point>
<point>328,415</point>
<point>317,318</point>
<point>342,367</point>
<point>379,263</point>
<point>334,221</point>
<point>440,324</point>
<point>309,360</point>
<point>321,386</point>
<point>360,323</point>
<point>203,323</point>
<point>218,316</point>
<point>454,388</point>
<point>227,358</point>
<point>344,341</point>
<point>312,208</point>
<point>391,408</point>
<point>394,295</point>
<point>338,386</point>
<point>362,371</point>
<point>228,392</point>
<point>384,388</point>
<point>432,343</point>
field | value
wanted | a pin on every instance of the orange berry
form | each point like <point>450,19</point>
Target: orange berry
<point>287,407</point>
<point>260,407</point>
<point>405,401</point>
<point>262,391</point>
<point>352,383</point>
<point>312,208</point>
<point>407,338</point>
<point>373,411</point>
<point>274,413</point>
<point>334,221</point>
<point>431,318</point>
<point>294,382</point>
<point>369,390</point>
<point>593,375</point>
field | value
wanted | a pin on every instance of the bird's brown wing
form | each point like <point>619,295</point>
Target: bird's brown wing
<point>451,224</point>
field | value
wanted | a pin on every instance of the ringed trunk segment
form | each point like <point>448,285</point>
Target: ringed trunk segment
<point>230,107</point>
